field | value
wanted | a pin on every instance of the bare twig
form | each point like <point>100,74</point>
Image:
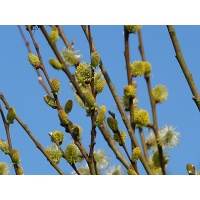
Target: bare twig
<point>130,82</point>
<point>64,38</point>
<point>183,66</point>
<point>143,143</point>
<point>153,105</point>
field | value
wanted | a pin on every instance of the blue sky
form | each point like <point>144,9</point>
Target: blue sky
<point>19,84</point>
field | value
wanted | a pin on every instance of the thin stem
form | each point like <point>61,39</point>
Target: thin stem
<point>153,105</point>
<point>93,131</point>
<point>27,43</point>
<point>29,50</point>
<point>121,110</point>
<point>129,77</point>
<point>7,128</point>
<point>183,66</point>
<point>64,38</point>
<point>143,143</point>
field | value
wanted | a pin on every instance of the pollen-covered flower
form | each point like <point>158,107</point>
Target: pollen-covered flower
<point>112,123</point>
<point>79,100</point>
<point>115,170</point>
<point>156,170</point>
<point>50,101</point>
<point>54,153</point>
<point>151,141</point>
<point>95,59</point>
<point>136,154</point>
<point>11,115</point>
<point>63,117</point>
<point>83,73</point>
<point>129,91</point>
<point>101,158</point>
<point>72,154</point>
<point>156,159</point>
<point>99,82</point>
<point>68,106</point>
<point>4,168</point>
<point>120,137</point>
<point>34,60</point>
<point>54,34</point>
<point>125,102</point>
<point>160,93</point>
<point>71,57</point>
<point>55,86</point>
<point>15,156</point>
<point>55,64</point>
<point>4,146</point>
<point>100,116</point>
<point>168,137</point>
<point>137,68</point>
<point>141,118</point>
<point>57,136</point>
<point>147,67</point>
<point>133,28</point>
<point>89,99</point>
<point>77,130</point>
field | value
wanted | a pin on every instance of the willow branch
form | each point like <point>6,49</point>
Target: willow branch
<point>182,63</point>
<point>120,107</point>
<point>27,130</point>
<point>29,50</point>
<point>93,131</point>
<point>7,129</point>
<point>64,38</point>
<point>143,143</point>
<point>129,78</point>
<point>153,105</point>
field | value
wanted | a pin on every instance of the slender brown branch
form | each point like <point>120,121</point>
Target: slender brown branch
<point>25,40</point>
<point>37,71</point>
<point>93,131</point>
<point>27,130</point>
<point>143,143</point>
<point>153,105</point>
<point>129,75</point>
<point>7,128</point>
<point>64,38</point>
<point>182,63</point>
<point>129,78</point>
<point>120,107</point>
